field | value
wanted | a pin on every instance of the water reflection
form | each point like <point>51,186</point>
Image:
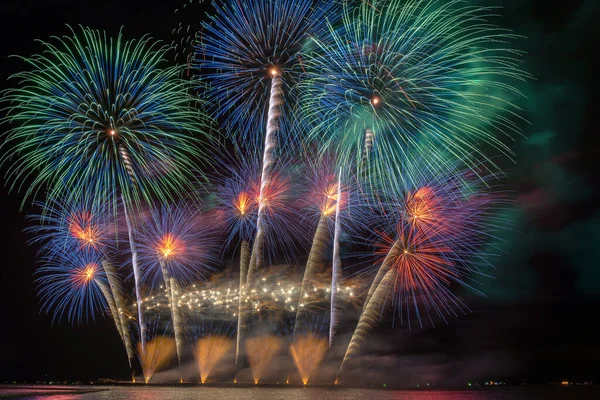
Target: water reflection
<point>260,393</point>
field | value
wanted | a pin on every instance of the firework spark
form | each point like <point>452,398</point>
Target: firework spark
<point>307,352</point>
<point>260,351</point>
<point>400,80</point>
<point>209,351</point>
<point>155,355</point>
<point>101,116</point>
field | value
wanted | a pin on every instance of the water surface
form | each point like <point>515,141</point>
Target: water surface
<point>260,393</point>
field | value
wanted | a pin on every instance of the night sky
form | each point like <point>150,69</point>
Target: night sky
<point>537,323</point>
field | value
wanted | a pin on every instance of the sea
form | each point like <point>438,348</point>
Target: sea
<point>302,393</point>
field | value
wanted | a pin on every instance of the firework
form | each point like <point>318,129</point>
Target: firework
<point>277,216</point>
<point>336,273</point>
<point>277,292</point>
<point>155,355</point>
<point>237,204</point>
<point>370,315</point>
<point>119,299</point>
<point>94,111</point>
<point>176,316</point>
<point>187,33</point>
<point>174,248</point>
<point>264,38</point>
<point>436,244</point>
<point>237,200</point>
<point>101,116</point>
<point>260,351</point>
<point>313,265</point>
<point>73,284</point>
<point>73,228</point>
<point>307,352</point>
<point>175,243</point>
<point>209,351</point>
<point>248,48</point>
<point>400,81</point>
<point>325,198</point>
<point>67,225</point>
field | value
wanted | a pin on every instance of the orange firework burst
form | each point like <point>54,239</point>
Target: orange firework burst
<point>83,275</point>
<point>82,228</point>
<point>329,199</point>
<point>275,193</point>
<point>423,209</point>
<point>243,203</point>
<point>169,246</point>
<point>419,258</point>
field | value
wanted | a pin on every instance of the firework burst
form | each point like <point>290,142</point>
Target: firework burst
<point>435,243</point>
<point>400,81</point>
<point>103,117</point>
<point>73,285</point>
<point>63,224</point>
<point>248,51</point>
<point>251,47</point>
<point>175,242</point>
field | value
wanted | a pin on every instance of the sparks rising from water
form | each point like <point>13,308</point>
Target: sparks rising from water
<point>260,351</point>
<point>209,351</point>
<point>307,352</point>
<point>156,354</point>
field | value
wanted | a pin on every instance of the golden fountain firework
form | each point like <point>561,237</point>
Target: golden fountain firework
<point>209,351</point>
<point>260,351</point>
<point>308,352</point>
<point>156,355</point>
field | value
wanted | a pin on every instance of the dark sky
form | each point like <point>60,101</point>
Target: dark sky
<point>537,321</point>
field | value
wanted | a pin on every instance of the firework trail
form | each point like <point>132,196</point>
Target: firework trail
<point>209,351</point>
<point>117,293</point>
<point>136,278</point>
<point>114,311</point>
<point>381,272</point>
<point>260,351</point>
<point>324,197</point>
<point>177,317</point>
<point>244,262</point>
<point>370,315</point>
<point>256,259</point>
<point>336,266</point>
<point>157,354</point>
<point>314,264</point>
